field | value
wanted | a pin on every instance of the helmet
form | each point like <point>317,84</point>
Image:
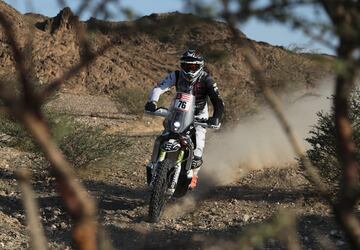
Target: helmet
<point>192,64</point>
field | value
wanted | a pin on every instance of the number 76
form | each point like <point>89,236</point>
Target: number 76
<point>182,104</point>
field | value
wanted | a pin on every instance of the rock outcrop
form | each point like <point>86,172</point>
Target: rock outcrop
<point>146,49</point>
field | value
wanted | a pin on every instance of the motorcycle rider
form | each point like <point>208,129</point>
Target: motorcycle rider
<point>192,78</point>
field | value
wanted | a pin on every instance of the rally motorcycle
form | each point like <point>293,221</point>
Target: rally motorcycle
<point>170,173</point>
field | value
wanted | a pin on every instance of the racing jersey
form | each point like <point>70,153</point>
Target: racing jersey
<point>204,88</point>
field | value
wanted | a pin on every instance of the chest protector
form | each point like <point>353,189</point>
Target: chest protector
<point>198,89</point>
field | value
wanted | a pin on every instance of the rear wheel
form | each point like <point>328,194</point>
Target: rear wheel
<point>158,197</point>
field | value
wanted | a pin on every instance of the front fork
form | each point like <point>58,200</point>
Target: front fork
<point>177,170</point>
<point>151,170</point>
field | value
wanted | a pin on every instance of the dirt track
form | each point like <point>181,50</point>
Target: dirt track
<point>118,181</point>
<point>205,216</point>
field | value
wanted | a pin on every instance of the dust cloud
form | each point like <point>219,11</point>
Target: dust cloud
<point>255,143</point>
<point>259,141</point>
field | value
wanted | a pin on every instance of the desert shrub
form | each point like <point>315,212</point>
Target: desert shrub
<point>80,143</point>
<point>296,48</point>
<point>216,55</point>
<point>322,140</point>
<point>165,27</point>
<point>13,135</point>
<point>211,54</point>
<point>131,100</point>
<point>83,144</point>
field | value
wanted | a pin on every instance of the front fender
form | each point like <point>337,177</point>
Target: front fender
<point>171,145</point>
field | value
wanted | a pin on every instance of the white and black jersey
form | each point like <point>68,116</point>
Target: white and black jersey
<point>204,88</point>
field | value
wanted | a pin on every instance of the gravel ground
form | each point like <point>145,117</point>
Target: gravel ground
<point>205,218</point>
<point>189,223</point>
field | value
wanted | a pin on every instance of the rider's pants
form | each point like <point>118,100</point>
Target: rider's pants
<point>200,132</point>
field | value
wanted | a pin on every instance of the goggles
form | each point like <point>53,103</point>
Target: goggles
<point>190,67</point>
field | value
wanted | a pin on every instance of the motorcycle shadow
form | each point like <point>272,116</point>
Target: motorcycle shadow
<point>119,199</point>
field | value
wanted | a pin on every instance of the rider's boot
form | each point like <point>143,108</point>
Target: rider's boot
<point>196,164</point>
<point>193,182</point>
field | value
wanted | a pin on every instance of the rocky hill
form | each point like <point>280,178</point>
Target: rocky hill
<point>145,50</point>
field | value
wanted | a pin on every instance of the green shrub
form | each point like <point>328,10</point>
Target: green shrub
<point>211,53</point>
<point>322,140</point>
<point>83,144</point>
<point>14,135</point>
<point>131,100</point>
<point>80,143</point>
<point>216,55</point>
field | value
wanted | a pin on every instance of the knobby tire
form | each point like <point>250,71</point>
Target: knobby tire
<point>157,199</point>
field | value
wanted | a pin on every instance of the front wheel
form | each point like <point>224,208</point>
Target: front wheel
<point>158,197</point>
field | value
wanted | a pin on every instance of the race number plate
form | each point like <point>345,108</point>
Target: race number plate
<point>183,101</point>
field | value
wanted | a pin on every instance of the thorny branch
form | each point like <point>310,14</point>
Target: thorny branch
<point>346,19</point>
<point>282,226</point>
<point>55,85</point>
<point>82,208</point>
<point>79,205</point>
<point>38,240</point>
<point>346,23</point>
<point>282,12</point>
<point>100,8</point>
<point>19,58</point>
<point>276,106</point>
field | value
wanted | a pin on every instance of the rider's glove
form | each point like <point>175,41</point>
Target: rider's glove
<point>150,106</point>
<point>214,122</point>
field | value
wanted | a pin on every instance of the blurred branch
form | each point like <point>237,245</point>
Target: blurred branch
<point>19,59</point>
<point>346,22</point>
<point>3,95</point>
<point>29,5</point>
<point>282,227</point>
<point>55,85</point>
<point>324,241</point>
<point>101,8</point>
<point>349,193</point>
<point>276,9</point>
<point>308,29</point>
<point>345,18</point>
<point>87,57</point>
<point>38,240</point>
<point>3,109</point>
<point>276,106</point>
<point>83,6</point>
<point>80,206</point>
<point>280,11</point>
<point>62,3</point>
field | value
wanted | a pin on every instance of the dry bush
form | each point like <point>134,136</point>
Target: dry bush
<point>323,151</point>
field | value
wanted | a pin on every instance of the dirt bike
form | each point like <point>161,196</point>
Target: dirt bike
<point>170,172</point>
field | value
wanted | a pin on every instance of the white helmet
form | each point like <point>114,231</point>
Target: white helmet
<point>192,65</point>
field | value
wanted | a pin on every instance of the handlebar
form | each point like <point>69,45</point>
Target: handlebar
<point>164,112</point>
<point>205,125</point>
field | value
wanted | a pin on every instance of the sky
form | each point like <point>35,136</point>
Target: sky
<point>275,34</point>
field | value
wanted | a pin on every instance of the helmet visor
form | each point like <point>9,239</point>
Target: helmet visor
<point>190,67</point>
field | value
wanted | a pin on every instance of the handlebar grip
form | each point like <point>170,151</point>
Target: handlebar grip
<point>158,112</point>
<point>205,125</point>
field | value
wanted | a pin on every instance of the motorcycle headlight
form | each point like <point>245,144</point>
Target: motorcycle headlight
<point>177,125</point>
